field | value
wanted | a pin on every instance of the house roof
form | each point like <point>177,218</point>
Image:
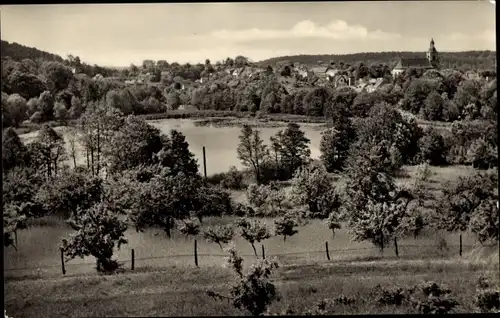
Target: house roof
<point>418,62</point>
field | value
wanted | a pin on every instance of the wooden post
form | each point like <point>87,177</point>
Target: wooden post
<point>396,246</point>
<point>327,251</point>
<point>195,253</point>
<point>204,163</point>
<point>460,251</point>
<point>15,238</point>
<point>263,252</point>
<point>133,260</point>
<point>62,262</point>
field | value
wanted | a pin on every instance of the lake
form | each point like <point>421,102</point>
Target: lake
<point>220,142</point>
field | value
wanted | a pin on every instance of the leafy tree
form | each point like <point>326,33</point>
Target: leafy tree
<point>484,223</point>
<point>293,147</point>
<point>46,102</point>
<point>315,100</point>
<point>14,110</point>
<point>482,154</point>
<point>432,148</point>
<point>253,231</point>
<point>312,186</point>
<point>221,234</point>
<point>386,124</point>
<point>286,226</point>
<point>253,291</point>
<point>97,127</point>
<point>58,76</point>
<point>25,84</point>
<point>70,193</point>
<point>60,111</point>
<point>13,219</point>
<point>52,151</point>
<point>469,198</point>
<point>135,143</point>
<point>251,150</point>
<point>14,152</point>
<point>433,107</point>
<point>335,144</point>
<point>98,230</point>
<point>176,156</point>
<point>416,94</point>
<point>189,226</point>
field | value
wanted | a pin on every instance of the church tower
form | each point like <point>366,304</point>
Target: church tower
<point>432,55</point>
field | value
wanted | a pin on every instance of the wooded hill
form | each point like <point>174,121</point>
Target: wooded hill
<point>19,52</point>
<point>467,60</point>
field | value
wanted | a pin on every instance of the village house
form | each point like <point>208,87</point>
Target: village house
<point>431,61</point>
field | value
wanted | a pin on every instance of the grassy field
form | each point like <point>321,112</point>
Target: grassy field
<point>179,290</point>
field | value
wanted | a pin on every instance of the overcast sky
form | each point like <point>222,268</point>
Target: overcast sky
<point>120,34</point>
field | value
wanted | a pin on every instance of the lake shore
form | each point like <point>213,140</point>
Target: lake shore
<point>230,119</point>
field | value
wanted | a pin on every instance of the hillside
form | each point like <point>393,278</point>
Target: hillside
<point>470,59</point>
<point>20,52</point>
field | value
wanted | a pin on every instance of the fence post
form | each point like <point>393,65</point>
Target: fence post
<point>396,246</point>
<point>263,252</point>
<point>460,251</point>
<point>133,260</point>
<point>15,238</point>
<point>195,252</point>
<point>327,251</point>
<point>62,262</point>
<point>204,163</point>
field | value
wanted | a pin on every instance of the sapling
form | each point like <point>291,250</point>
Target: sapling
<point>189,226</point>
<point>286,226</point>
<point>253,231</point>
<point>221,234</point>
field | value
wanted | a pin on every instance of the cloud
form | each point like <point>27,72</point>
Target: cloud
<point>337,29</point>
<point>487,35</point>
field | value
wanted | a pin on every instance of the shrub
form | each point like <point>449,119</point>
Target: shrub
<point>430,298</point>
<point>253,291</point>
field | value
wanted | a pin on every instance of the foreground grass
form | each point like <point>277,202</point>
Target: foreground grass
<point>180,290</point>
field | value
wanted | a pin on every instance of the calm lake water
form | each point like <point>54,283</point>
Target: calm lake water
<point>220,142</point>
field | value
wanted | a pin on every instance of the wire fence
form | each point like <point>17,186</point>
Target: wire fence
<point>201,259</point>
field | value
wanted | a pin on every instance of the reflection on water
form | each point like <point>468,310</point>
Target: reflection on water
<point>220,142</point>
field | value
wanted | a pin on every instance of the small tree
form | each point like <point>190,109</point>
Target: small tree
<point>13,219</point>
<point>189,226</point>
<point>253,291</point>
<point>220,234</point>
<point>253,231</point>
<point>286,226</point>
<point>98,230</point>
<point>313,187</point>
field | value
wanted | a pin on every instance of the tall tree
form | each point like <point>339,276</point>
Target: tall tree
<point>135,143</point>
<point>251,150</point>
<point>294,147</point>
<point>97,127</point>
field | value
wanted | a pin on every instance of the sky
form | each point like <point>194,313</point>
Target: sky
<point>121,34</point>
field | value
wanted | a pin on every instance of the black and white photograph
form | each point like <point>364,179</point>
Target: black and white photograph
<point>249,158</point>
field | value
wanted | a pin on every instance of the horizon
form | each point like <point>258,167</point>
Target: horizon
<point>124,34</point>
